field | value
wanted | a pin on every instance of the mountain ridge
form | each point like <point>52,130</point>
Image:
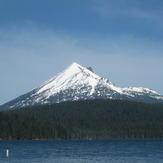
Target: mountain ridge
<point>80,83</point>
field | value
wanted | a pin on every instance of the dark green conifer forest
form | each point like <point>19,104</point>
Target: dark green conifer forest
<point>90,119</point>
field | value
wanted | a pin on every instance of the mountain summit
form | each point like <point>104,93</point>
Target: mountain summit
<point>80,83</point>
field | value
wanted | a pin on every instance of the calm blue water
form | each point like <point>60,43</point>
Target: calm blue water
<point>79,151</point>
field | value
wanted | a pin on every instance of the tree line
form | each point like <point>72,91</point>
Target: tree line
<point>87,119</point>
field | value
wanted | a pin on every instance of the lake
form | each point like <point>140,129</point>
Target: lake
<point>82,151</point>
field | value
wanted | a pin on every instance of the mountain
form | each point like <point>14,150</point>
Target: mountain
<point>80,83</point>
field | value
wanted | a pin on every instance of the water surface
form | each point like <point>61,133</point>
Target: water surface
<point>79,151</point>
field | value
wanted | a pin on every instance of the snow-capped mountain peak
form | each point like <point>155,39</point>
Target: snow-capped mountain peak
<point>73,75</point>
<point>77,83</point>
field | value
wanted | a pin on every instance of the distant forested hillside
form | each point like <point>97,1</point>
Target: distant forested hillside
<point>84,119</point>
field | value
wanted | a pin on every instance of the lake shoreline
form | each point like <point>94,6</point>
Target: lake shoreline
<point>82,139</point>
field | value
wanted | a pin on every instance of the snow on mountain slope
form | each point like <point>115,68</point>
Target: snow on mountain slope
<point>78,83</point>
<point>71,77</point>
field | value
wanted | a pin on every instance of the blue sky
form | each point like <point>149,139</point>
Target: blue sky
<point>122,40</point>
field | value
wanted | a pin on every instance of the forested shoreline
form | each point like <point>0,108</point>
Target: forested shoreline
<point>89,119</point>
